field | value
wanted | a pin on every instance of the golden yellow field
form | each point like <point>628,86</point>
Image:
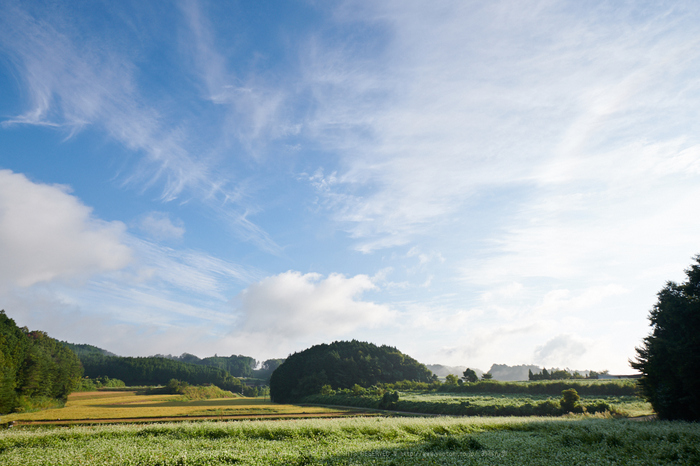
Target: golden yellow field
<point>129,405</point>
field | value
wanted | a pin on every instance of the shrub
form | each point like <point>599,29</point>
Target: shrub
<point>570,401</point>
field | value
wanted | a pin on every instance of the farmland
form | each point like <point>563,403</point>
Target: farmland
<point>361,441</point>
<point>137,436</point>
<point>502,399</point>
<point>133,405</point>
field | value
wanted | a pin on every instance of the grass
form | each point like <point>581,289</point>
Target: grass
<point>630,406</point>
<point>488,404</point>
<point>362,441</point>
<point>132,404</point>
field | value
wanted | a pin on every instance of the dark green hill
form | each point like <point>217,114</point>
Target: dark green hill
<point>237,366</point>
<point>33,366</point>
<point>156,371</point>
<point>342,364</point>
<point>87,350</point>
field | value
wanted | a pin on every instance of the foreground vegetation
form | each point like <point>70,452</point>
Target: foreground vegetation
<point>361,441</point>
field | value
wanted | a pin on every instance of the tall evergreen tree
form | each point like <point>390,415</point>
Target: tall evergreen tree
<point>669,359</point>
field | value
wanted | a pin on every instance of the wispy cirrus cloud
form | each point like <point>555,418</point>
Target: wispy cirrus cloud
<point>76,82</point>
<point>462,107</point>
<point>255,109</point>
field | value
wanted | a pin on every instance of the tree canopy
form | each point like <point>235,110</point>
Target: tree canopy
<point>342,364</point>
<point>669,358</point>
<point>34,365</point>
<point>156,371</point>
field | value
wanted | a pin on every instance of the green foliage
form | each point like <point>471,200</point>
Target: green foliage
<point>669,360</point>
<point>389,400</point>
<point>470,376</point>
<point>551,387</point>
<point>156,371</point>
<point>34,366</point>
<point>451,379</point>
<point>570,401</point>
<point>342,364</point>
<point>267,368</point>
<point>368,441</point>
<point>237,366</point>
<point>560,374</point>
<point>486,376</point>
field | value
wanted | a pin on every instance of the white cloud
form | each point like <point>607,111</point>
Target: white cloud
<point>295,305</point>
<point>466,101</point>
<point>47,234</point>
<point>74,82</point>
<point>561,351</point>
<point>159,226</point>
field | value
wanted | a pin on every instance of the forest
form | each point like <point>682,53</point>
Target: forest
<point>155,371</point>
<point>35,369</point>
<point>343,364</point>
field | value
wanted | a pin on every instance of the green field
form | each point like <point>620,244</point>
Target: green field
<point>488,404</point>
<point>361,441</point>
<point>630,406</point>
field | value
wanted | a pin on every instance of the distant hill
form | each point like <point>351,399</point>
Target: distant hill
<point>87,350</point>
<point>237,366</point>
<point>442,371</point>
<point>506,373</point>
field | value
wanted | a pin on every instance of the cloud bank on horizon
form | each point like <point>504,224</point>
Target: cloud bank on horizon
<point>471,182</point>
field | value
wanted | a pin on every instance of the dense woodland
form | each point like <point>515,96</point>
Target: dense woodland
<point>152,370</point>
<point>237,366</point>
<point>34,367</point>
<point>342,364</point>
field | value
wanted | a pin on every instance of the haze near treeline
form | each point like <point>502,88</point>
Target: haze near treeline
<point>469,182</point>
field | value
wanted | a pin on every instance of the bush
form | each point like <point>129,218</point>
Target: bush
<point>570,401</point>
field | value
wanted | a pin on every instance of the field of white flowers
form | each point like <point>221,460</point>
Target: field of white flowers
<point>360,441</point>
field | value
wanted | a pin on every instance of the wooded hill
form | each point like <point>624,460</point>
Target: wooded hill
<point>221,371</point>
<point>151,370</point>
<point>342,364</point>
<point>237,366</point>
<point>34,367</point>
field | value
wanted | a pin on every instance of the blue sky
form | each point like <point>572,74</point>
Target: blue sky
<point>472,182</point>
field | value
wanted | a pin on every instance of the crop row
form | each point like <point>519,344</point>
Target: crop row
<point>448,441</point>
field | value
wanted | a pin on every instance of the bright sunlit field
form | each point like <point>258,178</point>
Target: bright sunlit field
<point>132,405</point>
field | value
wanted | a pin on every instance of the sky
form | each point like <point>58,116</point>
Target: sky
<point>471,182</point>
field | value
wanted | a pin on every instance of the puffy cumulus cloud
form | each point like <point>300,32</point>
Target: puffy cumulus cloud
<point>159,226</point>
<point>48,234</point>
<point>293,305</point>
<point>561,350</point>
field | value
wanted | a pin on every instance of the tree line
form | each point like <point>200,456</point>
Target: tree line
<point>34,367</point>
<point>237,366</point>
<point>561,374</point>
<point>155,371</point>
